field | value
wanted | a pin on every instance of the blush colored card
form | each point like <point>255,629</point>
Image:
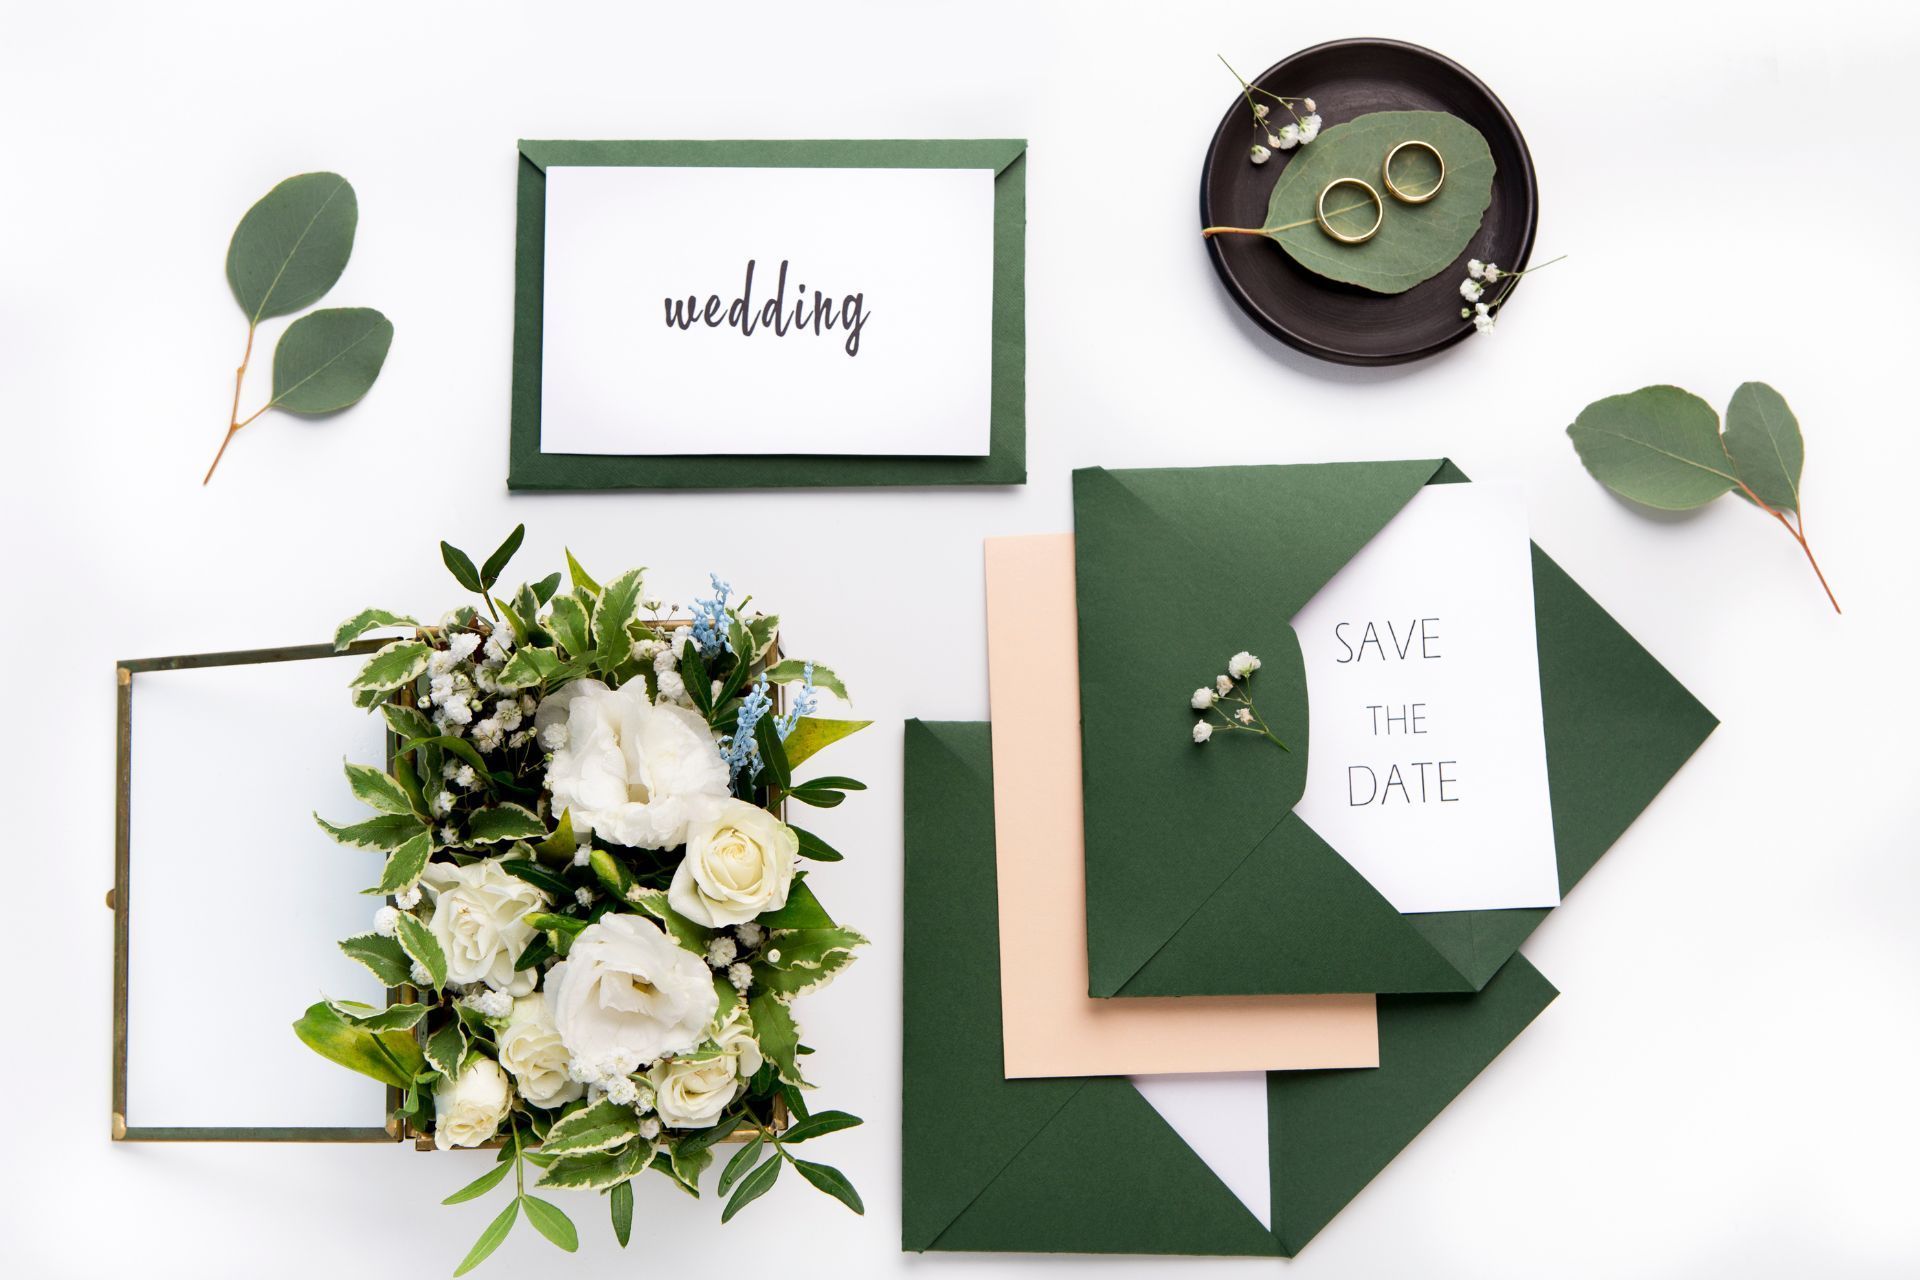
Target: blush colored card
<point>721,310</point>
<point>1428,767</point>
<point>1050,1026</point>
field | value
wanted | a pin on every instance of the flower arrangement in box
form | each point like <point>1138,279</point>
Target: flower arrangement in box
<point>596,917</point>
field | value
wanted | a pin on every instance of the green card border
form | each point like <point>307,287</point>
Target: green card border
<point>1006,464</point>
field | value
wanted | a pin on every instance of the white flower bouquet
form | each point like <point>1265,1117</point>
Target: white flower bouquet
<point>596,918</point>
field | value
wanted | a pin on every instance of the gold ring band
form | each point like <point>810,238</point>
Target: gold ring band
<point>1320,211</point>
<point>1393,189</point>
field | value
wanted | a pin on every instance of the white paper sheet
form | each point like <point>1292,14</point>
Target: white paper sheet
<point>237,901</point>
<point>1223,1117</point>
<point>910,249</point>
<point>1429,766</point>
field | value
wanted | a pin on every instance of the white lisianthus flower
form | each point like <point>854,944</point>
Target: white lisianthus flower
<point>479,920</point>
<point>691,1094</point>
<point>630,770</point>
<point>531,1050</point>
<point>1202,699</point>
<point>1242,665</point>
<point>627,993</point>
<point>467,1111</point>
<point>739,865</point>
<point>1202,731</point>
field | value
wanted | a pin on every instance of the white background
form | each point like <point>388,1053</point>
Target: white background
<point>1727,1085</point>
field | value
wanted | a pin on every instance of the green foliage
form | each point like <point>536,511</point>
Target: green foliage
<point>824,793</point>
<point>612,611</point>
<point>460,565</point>
<point>742,1161</point>
<point>620,1202</point>
<point>491,1238</point>
<point>694,937</point>
<point>529,667</point>
<point>292,245</point>
<point>377,790</point>
<point>597,1128</point>
<point>423,948</point>
<point>581,580</point>
<point>832,1181</point>
<point>570,625</point>
<point>408,722</point>
<point>793,671</point>
<point>405,864</point>
<point>382,956</point>
<point>779,1038</point>
<point>480,1185</point>
<point>802,911</point>
<point>446,1048</point>
<point>818,1125</point>
<point>388,831</point>
<point>491,570</point>
<point>390,1057</point>
<point>598,1170</point>
<point>752,1187</point>
<point>812,846</point>
<point>550,1222</point>
<point>328,359</point>
<point>775,769</point>
<point>504,822</point>
<point>811,735</point>
<point>1662,447</point>
<point>394,665</point>
<point>367,620</point>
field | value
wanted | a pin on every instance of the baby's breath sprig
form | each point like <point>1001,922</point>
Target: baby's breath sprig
<point>1285,137</point>
<point>1230,697</point>
<point>1482,276</point>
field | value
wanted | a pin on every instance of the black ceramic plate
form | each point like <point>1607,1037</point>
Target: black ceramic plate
<point>1342,322</point>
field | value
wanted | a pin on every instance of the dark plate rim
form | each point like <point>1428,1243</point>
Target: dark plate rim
<point>1277,327</point>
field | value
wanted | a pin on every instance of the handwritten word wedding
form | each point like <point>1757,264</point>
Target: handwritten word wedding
<point>820,315</point>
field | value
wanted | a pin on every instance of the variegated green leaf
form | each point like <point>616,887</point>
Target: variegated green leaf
<point>393,666</point>
<point>405,864</point>
<point>505,822</point>
<point>568,622</point>
<point>446,1047</point>
<point>390,1057</point>
<point>529,667</point>
<point>582,581</point>
<point>379,791</point>
<point>562,841</point>
<point>615,609</point>
<point>779,1038</point>
<point>396,1017</point>
<point>601,1127</point>
<point>388,831</point>
<point>693,937</point>
<point>408,722</point>
<point>420,945</point>
<point>793,671</point>
<point>382,956</point>
<point>368,620</point>
<point>600,1169</point>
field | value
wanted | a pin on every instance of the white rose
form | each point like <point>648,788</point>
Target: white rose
<point>630,770</point>
<point>479,919</point>
<point>627,993</point>
<point>692,1094</point>
<point>531,1050</point>
<point>467,1111</point>
<point>739,864</point>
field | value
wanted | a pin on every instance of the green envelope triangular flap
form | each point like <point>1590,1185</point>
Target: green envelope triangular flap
<point>1333,1131</point>
<point>1176,570</point>
<point>1295,916</point>
<point>1477,943</point>
<point>1619,726</point>
<point>1109,1175</point>
<point>962,1121</point>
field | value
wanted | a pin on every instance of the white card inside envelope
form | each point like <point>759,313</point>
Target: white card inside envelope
<point>866,327</point>
<point>1428,770</point>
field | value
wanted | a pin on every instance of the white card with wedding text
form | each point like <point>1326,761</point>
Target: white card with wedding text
<point>1428,769</point>
<point>719,310</point>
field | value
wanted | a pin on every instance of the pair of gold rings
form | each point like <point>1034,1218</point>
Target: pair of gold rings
<point>1373,197</point>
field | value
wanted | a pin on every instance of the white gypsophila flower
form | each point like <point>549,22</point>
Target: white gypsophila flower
<point>507,712</point>
<point>1242,664</point>
<point>479,920</point>
<point>750,934</point>
<point>673,689</point>
<point>1476,269</point>
<point>450,770</point>
<point>1244,715</point>
<point>1202,699</point>
<point>442,804</point>
<point>1222,685</point>
<point>499,647</point>
<point>622,1091</point>
<point>521,738</point>
<point>1273,140</point>
<point>1470,290</point>
<point>448,835</point>
<point>1259,111</point>
<point>488,734</point>
<point>531,1050</point>
<point>1481,308</point>
<point>483,680</point>
<point>1309,129</point>
<point>642,1096</point>
<point>632,772</point>
<point>464,777</point>
<point>682,637</point>
<point>421,975</point>
<point>489,1003</point>
<point>721,951</point>
<point>468,1109</point>
<point>456,713</point>
<point>1289,136</point>
<point>553,736</point>
<point>645,650</point>
<point>1483,324</point>
<point>1308,104</point>
<point>583,895</point>
<point>408,898</point>
<point>627,994</point>
<point>1493,272</point>
<point>649,1130</point>
<point>1202,731</point>
<point>386,921</point>
<point>460,647</point>
<point>667,656</point>
<point>1259,154</point>
<point>740,975</point>
<point>582,855</point>
<point>773,956</point>
<point>739,864</point>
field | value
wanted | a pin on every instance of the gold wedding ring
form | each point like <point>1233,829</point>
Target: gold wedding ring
<point>1393,188</point>
<point>1320,211</point>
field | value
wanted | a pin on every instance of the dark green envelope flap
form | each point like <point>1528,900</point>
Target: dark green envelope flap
<point>1164,600</point>
<point>1109,1175</point>
<point>1004,464</point>
<point>1332,1131</point>
<point>1087,1165</point>
<point>1618,726</point>
<point>962,1121</point>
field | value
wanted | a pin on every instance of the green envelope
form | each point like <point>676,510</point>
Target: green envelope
<point>1087,1165</point>
<point>1178,568</point>
<point>1005,464</point>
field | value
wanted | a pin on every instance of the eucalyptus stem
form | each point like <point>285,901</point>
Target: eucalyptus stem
<point>1799,536</point>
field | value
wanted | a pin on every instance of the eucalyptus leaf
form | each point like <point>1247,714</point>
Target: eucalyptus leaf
<point>328,359</point>
<point>1658,446</point>
<point>1763,441</point>
<point>292,245</point>
<point>460,565</point>
<point>812,846</point>
<point>1416,241</point>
